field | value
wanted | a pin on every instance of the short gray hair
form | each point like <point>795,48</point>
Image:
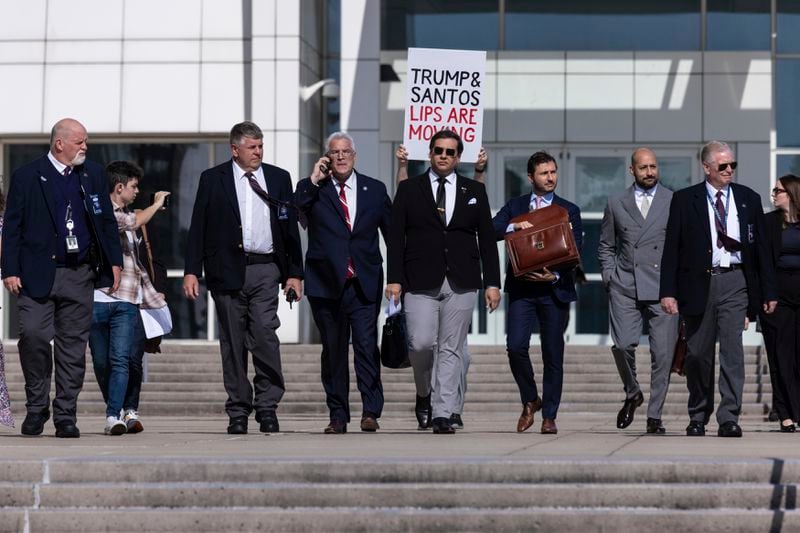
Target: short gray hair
<point>337,135</point>
<point>713,147</point>
<point>245,129</point>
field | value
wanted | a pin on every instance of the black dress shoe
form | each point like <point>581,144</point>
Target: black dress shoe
<point>67,430</point>
<point>787,429</point>
<point>237,425</point>
<point>34,423</point>
<point>336,427</point>
<point>441,425</point>
<point>456,422</point>
<point>696,429</point>
<point>424,412</point>
<point>729,429</point>
<point>625,416</point>
<point>269,423</point>
<point>654,426</point>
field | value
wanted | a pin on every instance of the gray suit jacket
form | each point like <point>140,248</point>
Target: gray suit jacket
<point>630,247</point>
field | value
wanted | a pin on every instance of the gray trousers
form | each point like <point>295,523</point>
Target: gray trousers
<point>723,319</point>
<point>438,322</point>
<point>627,317</point>
<point>65,317</point>
<point>248,319</point>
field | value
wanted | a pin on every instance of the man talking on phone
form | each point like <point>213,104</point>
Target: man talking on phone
<point>344,276</point>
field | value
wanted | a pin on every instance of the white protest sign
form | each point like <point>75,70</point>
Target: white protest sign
<point>444,90</point>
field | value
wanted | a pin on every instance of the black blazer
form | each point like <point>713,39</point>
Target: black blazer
<point>331,242</point>
<point>422,250</point>
<point>773,222</point>
<point>564,288</point>
<point>215,235</point>
<point>686,262</point>
<point>29,228</point>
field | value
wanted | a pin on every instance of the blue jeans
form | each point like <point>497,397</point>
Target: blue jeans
<point>112,343</point>
<point>136,371</point>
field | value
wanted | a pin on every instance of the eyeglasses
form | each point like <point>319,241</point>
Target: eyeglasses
<point>776,191</point>
<point>724,166</point>
<point>450,152</point>
<point>343,153</point>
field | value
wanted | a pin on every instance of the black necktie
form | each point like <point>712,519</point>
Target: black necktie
<point>441,205</point>
<point>729,243</point>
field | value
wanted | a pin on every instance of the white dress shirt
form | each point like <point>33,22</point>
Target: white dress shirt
<point>449,192</point>
<point>639,194</point>
<point>256,228</point>
<point>721,256</point>
<point>351,193</point>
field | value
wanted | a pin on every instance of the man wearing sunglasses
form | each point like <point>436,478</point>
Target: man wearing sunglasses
<point>440,240</point>
<point>345,210</point>
<point>715,273</point>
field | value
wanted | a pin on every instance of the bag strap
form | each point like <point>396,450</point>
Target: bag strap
<point>151,270</point>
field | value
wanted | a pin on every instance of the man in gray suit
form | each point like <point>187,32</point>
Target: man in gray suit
<point>631,244</point>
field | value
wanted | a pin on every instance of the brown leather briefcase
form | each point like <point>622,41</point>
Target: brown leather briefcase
<point>549,243</point>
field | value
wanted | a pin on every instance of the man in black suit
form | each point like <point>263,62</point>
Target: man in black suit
<point>344,275</point>
<point>440,239</point>
<point>244,234</point>
<point>545,295</point>
<point>715,272</point>
<point>59,239</point>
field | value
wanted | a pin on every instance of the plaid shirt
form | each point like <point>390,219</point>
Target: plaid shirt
<point>134,280</point>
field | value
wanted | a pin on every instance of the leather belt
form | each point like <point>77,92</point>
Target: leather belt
<point>716,271</point>
<point>258,259</point>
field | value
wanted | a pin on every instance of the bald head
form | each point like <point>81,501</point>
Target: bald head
<point>644,168</point>
<point>68,142</point>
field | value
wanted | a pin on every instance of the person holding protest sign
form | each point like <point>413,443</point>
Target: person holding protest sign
<point>436,259</point>
<point>422,408</point>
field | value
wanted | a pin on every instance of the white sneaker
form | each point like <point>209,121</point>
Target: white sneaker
<point>115,426</point>
<point>132,422</point>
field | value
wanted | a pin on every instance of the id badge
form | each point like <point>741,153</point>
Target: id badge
<point>725,260</point>
<point>283,213</point>
<point>96,204</point>
<point>72,244</point>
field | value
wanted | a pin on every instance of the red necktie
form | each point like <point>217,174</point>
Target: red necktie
<point>723,241</point>
<point>67,171</point>
<point>351,270</point>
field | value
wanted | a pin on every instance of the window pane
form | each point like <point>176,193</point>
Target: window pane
<point>591,239</point>
<point>593,25</point>
<point>788,26</point>
<point>787,108</point>
<point>675,172</point>
<point>788,164</point>
<point>595,177</point>
<point>189,318</point>
<point>516,177</point>
<point>467,25</point>
<point>592,310</point>
<point>738,25</point>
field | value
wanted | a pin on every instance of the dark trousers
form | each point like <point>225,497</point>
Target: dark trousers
<point>248,319</point>
<point>723,319</point>
<point>337,319</point>
<point>552,315</point>
<point>135,370</point>
<point>781,332</point>
<point>65,317</point>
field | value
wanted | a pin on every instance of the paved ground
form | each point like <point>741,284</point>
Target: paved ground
<point>581,436</point>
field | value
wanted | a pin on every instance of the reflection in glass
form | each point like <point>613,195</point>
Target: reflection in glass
<point>516,178</point>
<point>596,177</point>
<point>788,22</point>
<point>594,25</point>
<point>787,105</point>
<point>591,239</point>
<point>675,172</point>
<point>738,25</point>
<point>787,164</point>
<point>458,24</point>
<point>592,310</point>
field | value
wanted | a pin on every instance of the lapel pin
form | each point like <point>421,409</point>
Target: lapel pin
<point>42,178</point>
<point>364,188</point>
<point>463,190</point>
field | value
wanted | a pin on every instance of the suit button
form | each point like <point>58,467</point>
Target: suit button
<point>656,265</point>
<point>53,257</point>
<point>240,246</point>
<point>444,232</point>
<point>446,250</point>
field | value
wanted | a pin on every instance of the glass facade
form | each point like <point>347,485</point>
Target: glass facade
<point>787,105</point>
<point>738,25</point>
<point>788,26</point>
<point>471,25</point>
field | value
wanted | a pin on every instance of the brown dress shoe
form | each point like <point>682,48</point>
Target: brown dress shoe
<point>336,427</point>
<point>369,422</point>
<point>549,426</point>
<point>526,418</point>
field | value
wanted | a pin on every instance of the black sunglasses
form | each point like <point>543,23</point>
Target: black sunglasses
<point>438,150</point>
<point>724,166</point>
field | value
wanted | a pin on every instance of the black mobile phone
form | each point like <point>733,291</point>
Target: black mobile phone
<point>291,297</point>
<point>325,168</point>
<point>166,200</point>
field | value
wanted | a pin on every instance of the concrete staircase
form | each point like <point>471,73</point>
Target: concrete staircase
<point>187,380</point>
<point>398,495</point>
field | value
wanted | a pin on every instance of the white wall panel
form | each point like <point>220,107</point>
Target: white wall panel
<point>263,48</point>
<point>160,98</point>
<point>84,19</point>
<point>360,85</point>
<point>82,52</point>
<point>221,96</point>
<point>23,20</point>
<point>287,18</point>
<point>263,99</point>
<point>530,107</point>
<point>265,18</point>
<point>88,93</point>
<point>753,170</point>
<point>723,115</point>
<point>667,110</point>
<point>287,96</point>
<point>159,19</point>
<point>225,51</point>
<point>221,19</point>
<point>21,52</point>
<point>161,51</point>
<point>599,107</point>
<point>21,101</point>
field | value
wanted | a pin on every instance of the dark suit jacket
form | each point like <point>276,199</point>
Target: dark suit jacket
<point>422,250</point>
<point>564,288</point>
<point>773,225</point>
<point>330,241</point>
<point>215,235</point>
<point>29,230</point>
<point>686,263</point>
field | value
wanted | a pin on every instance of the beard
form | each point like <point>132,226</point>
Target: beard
<point>78,160</point>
